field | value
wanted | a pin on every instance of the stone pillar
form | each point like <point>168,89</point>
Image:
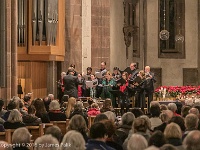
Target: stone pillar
<point>14,23</point>
<point>52,78</point>
<point>86,34</point>
<point>8,49</point>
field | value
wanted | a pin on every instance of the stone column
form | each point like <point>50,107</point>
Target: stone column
<point>86,34</point>
<point>14,22</point>
<point>8,49</point>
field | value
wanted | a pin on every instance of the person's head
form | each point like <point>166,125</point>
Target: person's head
<point>191,141</point>
<point>70,106</point>
<point>12,105</point>
<point>173,130</point>
<point>191,121</point>
<point>164,117</point>
<point>157,139</point>
<point>108,75</point>
<point>71,70</point>
<point>78,106</point>
<point>133,66</point>
<point>137,112</point>
<point>62,74</point>
<point>49,140</point>
<point>72,65</point>
<point>179,121</point>
<point>110,127</point>
<point>55,132</point>
<point>139,125</point>
<point>98,131</point>
<point>128,118</point>
<point>95,105</point>
<point>39,106</point>
<point>141,74</point>
<point>125,75</point>
<point>21,136</point>
<point>92,76</point>
<point>115,70</point>
<point>14,116</point>
<point>137,142</point>
<point>100,117</point>
<point>185,111</point>
<point>169,113</point>
<point>147,69</point>
<point>111,116</point>
<point>194,111</point>
<point>155,111</point>
<point>77,122</point>
<point>89,70</point>
<point>168,147</point>
<point>51,97</point>
<point>154,103</point>
<point>27,98</point>
<point>75,139</point>
<point>31,110</point>
<point>103,65</point>
<point>172,107</point>
<point>147,120</point>
<point>90,101</point>
<point>54,105</point>
<point>163,107</point>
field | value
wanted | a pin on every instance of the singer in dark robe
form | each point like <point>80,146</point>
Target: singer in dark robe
<point>139,85</point>
<point>61,87</point>
<point>149,87</point>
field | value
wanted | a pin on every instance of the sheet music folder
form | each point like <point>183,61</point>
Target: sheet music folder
<point>117,93</point>
<point>89,84</point>
<point>98,75</point>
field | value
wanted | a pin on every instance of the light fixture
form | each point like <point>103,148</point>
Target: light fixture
<point>164,34</point>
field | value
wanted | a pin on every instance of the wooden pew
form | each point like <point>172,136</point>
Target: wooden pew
<point>35,131</point>
<point>90,121</point>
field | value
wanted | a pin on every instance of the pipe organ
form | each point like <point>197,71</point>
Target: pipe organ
<point>40,28</point>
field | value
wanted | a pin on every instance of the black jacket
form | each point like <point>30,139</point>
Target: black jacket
<point>31,120</point>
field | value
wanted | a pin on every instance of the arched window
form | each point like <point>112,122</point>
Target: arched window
<point>172,19</point>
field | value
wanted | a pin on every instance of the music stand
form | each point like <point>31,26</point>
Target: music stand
<point>117,94</point>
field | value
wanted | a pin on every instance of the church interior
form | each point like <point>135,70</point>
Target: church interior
<point>40,39</point>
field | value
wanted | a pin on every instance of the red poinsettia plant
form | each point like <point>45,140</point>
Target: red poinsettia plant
<point>174,91</point>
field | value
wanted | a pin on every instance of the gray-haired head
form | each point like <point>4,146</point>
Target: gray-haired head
<point>128,118</point>
<point>137,142</point>
<point>72,140</point>
<point>110,115</point>
<point>191,141</point>
<point>46,142</point>
<point>172,107</point>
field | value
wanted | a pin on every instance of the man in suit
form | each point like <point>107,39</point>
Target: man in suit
<point>71,83</point>
<point>149,87</point>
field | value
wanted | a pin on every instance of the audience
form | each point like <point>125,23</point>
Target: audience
<point>157,139</point>
<point>70,106</point>
<point>2,110</point>
<point>155,113</point>
<point>164,118</point>
<point>100,117</point>
<point>179,121</point>
<point>173,108</point>
<point>94,110</point>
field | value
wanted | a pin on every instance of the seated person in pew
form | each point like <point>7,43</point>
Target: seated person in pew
<point>14,120</point>
<point>30,119</point>
<point>94,110</point>
<point>21,139</point>
<point>55,113</point>
<point>41,110</point>
<point>78,110</point>
<point>77,123</point>
<point>55,131</point>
